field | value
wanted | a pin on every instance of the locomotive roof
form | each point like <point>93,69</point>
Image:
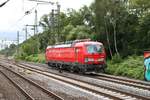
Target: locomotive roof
<point>89,42</point>
<point>73,44</point>
<point>60,46</point>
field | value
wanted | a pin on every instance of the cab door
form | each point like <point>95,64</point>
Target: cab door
<point>78,54</point>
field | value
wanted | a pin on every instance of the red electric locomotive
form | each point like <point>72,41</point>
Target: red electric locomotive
<point>79,55</point>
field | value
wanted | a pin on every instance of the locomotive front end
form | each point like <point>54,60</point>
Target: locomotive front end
<point>95,57</point>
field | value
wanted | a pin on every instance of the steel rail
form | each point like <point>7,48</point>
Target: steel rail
<point>109,88</point>
<point>125,82</point>
<point>138,82</point>
<point>55,96</point>
<point>17,86</point>
<point>124,79</point>
<point>86,88</point>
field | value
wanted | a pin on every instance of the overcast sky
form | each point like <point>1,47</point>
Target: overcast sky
<point>11,14</point>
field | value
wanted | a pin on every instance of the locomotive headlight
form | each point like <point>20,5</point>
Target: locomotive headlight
<point>100,59</point>
<point>88,59</point>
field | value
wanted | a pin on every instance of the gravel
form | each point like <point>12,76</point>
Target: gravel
<point>129,89</point>
<point>68,92</point>
<point>35,92</point>
<point>8,91</point>
<point>73,92</point>
<point>1,96</point>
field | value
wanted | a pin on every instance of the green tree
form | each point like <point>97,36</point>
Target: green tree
<point>139,7</point>
<point>79,32</point>
<point>116,25</point>
<point>142,38</point>
<point>29,47</point>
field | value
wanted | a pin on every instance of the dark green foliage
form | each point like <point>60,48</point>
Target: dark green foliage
<point>9,51</point>
<point>142,38</point>
<point>123,26</point>
<point>130,67</point>
<point>30,47</point>
<point>116,59</point>
<point>40,58</point>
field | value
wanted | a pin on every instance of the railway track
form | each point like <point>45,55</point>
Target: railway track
<point>125,81</point>
<point>101,90</point>
<point>121,80</point>
<point>30,89</point>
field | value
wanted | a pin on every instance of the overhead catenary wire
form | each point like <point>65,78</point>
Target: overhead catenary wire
<point>26,13</point>
<point>21,18</point>
<point>1,5</point>
<point>42,1</point>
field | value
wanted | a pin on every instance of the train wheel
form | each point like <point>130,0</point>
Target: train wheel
<point>71,69</point>
<point>77,70</point>
<point>83,70</point>
<point>60,68</point>
<point>49,64</point>
<point>103,70</point>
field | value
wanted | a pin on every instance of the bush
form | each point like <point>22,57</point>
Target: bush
<point>131,67</point>
<point>116,59</point>
<point>29,58</point>
<point>36,58</point>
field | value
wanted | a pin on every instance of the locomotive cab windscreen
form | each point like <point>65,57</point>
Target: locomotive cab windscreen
<point>95,53</point>
<point>94,48</point>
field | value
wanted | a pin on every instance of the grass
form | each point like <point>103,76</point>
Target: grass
<point>131,67</point>
<point>40,58</point>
